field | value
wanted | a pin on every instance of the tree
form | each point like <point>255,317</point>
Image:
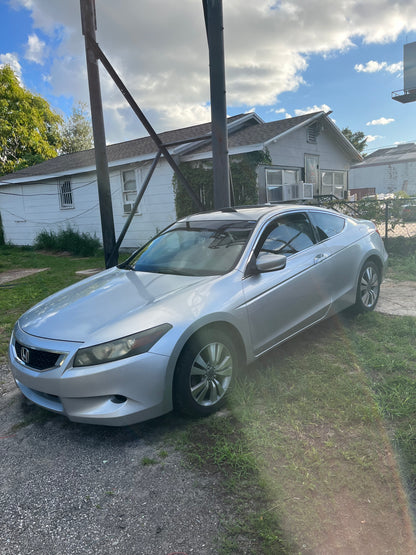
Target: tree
<point>29,128</point>
<point>77,131</point>
<point>357,139</point>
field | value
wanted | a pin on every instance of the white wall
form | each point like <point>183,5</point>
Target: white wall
<point>388,178</point>
<point>290,151</point>
<point>156,209</point>
<point>28,209</point>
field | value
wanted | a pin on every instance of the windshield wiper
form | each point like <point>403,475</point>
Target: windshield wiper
<point>125,266</point>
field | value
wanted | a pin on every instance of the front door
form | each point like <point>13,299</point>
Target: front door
<point>312,172</point>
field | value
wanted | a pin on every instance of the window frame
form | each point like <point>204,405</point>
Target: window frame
<point>66,198</point>
<point>333,185</point>
<point>282,169</point>
<point>125,192</point>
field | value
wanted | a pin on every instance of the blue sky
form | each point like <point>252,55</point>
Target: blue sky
<point>283,59</point>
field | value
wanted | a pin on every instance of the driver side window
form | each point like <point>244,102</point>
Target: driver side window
<point>288,235</point>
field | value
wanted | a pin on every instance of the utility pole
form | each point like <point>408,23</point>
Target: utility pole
<point>215,34</point>
<point>103,179</point>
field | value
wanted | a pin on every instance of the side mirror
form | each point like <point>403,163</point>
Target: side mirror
<point>268,262</point>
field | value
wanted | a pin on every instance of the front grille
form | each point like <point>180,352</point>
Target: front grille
<point>39,360</point>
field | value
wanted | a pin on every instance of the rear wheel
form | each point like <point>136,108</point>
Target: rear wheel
<point>204,373</point>
<point>368,288</point>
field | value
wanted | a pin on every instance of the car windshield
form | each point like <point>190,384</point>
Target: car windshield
<point>196,248</point>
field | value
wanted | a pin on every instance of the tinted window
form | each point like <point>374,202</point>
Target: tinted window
<point>327,225</point>
<point>288,235</point>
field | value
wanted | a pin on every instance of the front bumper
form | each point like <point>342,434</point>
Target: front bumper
<point>114,394</point>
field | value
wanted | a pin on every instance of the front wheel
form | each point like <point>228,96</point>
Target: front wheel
<point>204,373</point>
<point>368,288</point>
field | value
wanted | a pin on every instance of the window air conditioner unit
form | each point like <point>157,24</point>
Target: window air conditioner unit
<point>299,191</point>
<point>292,191</point>
<point>275,193</point>
<point>307,191</point>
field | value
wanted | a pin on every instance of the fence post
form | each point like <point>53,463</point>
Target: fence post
<point>386,222</point>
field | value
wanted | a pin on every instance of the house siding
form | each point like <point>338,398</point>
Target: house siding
<point>385,178</point>
<point>28,209</point>
<point>290,151</point>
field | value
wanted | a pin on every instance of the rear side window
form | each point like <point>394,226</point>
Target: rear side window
<point>327,225</point>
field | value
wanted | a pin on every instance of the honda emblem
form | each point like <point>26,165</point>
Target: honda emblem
<point>24,354</point>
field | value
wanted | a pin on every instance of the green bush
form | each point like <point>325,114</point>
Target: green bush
<point>68,240</point>
<point>401,246</point>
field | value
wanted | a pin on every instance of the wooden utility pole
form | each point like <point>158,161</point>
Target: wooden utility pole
<point>215,34</point>
<point>103,178</point>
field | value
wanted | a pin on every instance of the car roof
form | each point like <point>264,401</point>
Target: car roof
<point>245,213</point>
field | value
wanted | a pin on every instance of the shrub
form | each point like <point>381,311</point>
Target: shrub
<point>80,244</point>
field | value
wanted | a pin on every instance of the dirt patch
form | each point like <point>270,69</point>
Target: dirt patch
<point>397,297</point>
<point>12,275</point>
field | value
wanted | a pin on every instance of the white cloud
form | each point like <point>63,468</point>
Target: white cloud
<point>160,50</point>
<point>12,60</point>
<point>35,50</point>
<point>372,138</point>
<point>380,121</point>
<point>373,67</point>
<point>322,108</point>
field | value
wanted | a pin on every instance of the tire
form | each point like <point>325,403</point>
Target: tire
<point>204,373</point>
<point>368,288</point>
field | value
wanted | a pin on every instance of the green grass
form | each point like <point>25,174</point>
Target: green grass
<point>402,268</point>
<point>303,436</point>
<point>18,296</point>
<point>402,258</point>
<point>389,359</point>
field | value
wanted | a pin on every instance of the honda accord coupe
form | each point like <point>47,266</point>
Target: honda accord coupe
<point>170,327</point>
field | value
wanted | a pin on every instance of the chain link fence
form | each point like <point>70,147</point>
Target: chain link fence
<point>394,217</point>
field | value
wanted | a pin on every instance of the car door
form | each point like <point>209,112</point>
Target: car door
<point>340,257</point>
<point>281,302</point>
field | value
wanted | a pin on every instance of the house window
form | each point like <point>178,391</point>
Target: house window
<point>129,185</point>
<point>65,193</point>
<point>275,179</point>
<point>334,183</point>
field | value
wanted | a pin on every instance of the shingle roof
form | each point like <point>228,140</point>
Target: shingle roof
<point>115,152</point>
<point>392,155</point>
<point>252,131</point>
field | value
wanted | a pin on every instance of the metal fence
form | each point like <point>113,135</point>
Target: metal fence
<point>394,217</point>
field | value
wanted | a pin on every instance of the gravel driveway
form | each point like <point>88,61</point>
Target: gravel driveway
<point>73,489</point>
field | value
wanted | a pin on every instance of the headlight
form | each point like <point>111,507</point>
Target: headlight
<point>125,347</point>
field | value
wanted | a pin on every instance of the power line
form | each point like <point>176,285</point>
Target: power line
<point>42,194</point>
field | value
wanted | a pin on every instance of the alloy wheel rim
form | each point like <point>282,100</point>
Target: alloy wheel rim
<point>211,374</point>
<point>369,287</point>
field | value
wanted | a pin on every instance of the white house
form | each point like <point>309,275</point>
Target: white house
<point>387,170</point>
<point>62,192</point>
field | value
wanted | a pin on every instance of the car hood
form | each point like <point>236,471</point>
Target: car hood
<point>106,300</point>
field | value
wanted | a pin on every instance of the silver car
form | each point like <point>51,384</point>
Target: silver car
<point>171,326</point>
